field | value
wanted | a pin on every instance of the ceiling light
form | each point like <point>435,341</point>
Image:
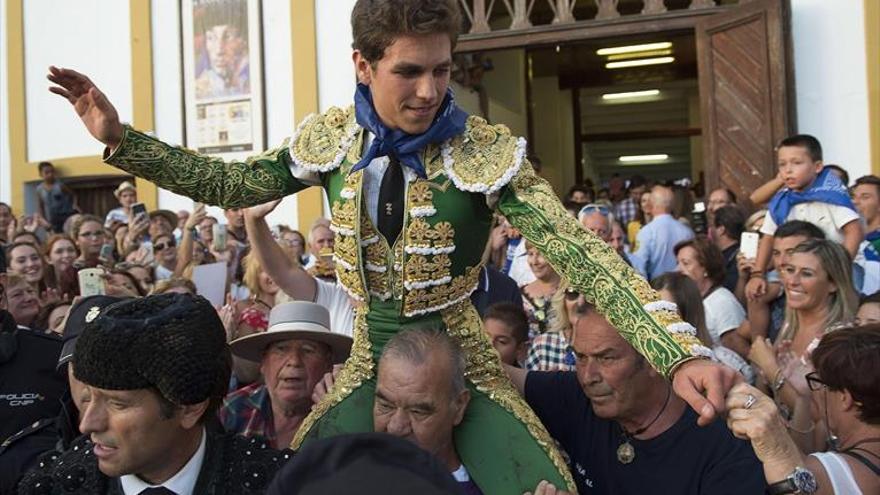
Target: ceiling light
<point>631,94</point>
<point>661,157</point>
<point>629,56</point>
<point>634,48</point>
<point>637,63</point>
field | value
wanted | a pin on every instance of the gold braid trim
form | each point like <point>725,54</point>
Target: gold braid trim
<point>321,142</point>
<point>484,371</point>
<point>484,157</point>
<point>597,271</point>
<point>358,368</point>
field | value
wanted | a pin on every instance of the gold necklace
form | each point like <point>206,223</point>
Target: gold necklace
<point>626,453</point>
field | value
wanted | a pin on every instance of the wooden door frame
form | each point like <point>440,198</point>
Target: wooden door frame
<point>677,20</point>
<point>781,88</point>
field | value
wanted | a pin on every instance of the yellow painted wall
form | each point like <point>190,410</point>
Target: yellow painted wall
<point>310,202</point>
<point>24,171</point>
<point>872,52</point>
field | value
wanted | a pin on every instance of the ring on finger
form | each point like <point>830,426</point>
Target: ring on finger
<point>750,401</point>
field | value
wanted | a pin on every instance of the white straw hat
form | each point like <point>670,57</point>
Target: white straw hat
<point>294,320</point>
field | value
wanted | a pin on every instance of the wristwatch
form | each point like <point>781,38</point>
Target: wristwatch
<point>801,480</point>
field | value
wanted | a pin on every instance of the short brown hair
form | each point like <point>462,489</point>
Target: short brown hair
<point>849,359</point>
<point>375,24</point>
<point>708,255</point>
<point>512,315</point>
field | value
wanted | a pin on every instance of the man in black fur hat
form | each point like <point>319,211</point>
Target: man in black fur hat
<point>156,369</point>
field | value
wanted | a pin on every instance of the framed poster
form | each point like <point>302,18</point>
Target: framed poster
<point>222,74</point>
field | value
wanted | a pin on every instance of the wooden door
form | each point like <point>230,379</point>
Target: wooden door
<point>746,92</point>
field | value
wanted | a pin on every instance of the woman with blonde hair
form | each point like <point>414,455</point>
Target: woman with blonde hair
<point>551,351</point>
<point>819,291</point>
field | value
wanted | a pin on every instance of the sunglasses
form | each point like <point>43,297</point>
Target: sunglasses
<point>572,294</point>
<point>602,209</point>
<point>814,382</point>
<point>162,245</point>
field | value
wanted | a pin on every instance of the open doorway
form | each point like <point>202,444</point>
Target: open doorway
<point>712,101</point>
<point>601,108</point>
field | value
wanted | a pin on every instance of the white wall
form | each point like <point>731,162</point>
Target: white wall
<point>831,84</point>
<point>168,90</point>
<point>84,36</point>
<point>336,78</point>
<point>5,169</point>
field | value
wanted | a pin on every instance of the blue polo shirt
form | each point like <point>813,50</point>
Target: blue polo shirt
<point>685,459</point>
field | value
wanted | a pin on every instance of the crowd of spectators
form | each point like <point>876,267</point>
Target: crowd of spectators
<point>795,314</point>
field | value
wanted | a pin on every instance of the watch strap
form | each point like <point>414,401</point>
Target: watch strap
<point>782,487</point>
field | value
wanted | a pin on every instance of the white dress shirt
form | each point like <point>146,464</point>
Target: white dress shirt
<point>182,483</point>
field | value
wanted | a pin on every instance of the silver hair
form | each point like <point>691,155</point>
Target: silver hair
<point>416,345</point>
<point>318,223</point>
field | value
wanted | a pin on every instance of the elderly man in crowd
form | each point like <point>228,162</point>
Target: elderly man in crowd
<point>657,239</point>
<point>623,429</point>
<point>155,369</point>
<point>421,395</point>
<point>294,354</point>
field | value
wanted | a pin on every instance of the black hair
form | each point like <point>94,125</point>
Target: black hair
<point>732,218</point>
<point>812,145</point>
<point>870,180</point>
<point>794,228</point>
<point>44,165</point>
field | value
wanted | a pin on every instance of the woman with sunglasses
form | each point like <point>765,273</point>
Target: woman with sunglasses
<point>552,351</point>
<point>538,294</point>
<point>165,253</point>
<point>845,399</point>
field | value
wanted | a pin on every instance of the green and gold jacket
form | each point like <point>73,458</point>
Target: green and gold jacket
<point>436,261</point>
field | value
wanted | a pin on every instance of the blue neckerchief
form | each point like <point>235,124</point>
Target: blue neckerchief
<point>448,122</point>
<point>872,250</point>
<point>827,188</point>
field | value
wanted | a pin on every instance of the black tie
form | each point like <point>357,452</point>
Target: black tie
<point>390,209</point>
<point>159,490</point>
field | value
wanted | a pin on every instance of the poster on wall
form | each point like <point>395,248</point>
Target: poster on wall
<point>222,73</point>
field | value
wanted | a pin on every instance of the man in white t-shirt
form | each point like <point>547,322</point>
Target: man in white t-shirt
<point>295,282</point>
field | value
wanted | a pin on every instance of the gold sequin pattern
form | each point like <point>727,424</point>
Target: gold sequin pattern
<point>417,301</point>
<point>485,372</point>
<point>595,269</point>
<point>483,154</point>
<point>420,234</point>
<point>421,268</point>
<point>344,213</point>
<point>420,195</point>
<point>358,368</point>
<point>346,249</point>
<point>320,138</point>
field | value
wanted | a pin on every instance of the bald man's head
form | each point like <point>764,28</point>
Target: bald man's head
<point>661,200</point>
